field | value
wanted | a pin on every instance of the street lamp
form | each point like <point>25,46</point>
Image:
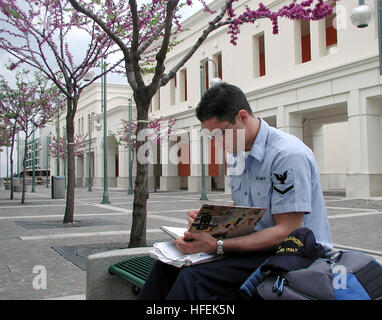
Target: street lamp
<point>214,81</point>
<point>18,154</point>
<point>89,152</point>
<point>33,161</point>
<point>105,199</point>
<point>88,76</point>
<point>7,165</point>
<point>361,17</point>
<point>65,154</point>
<point>58,144</point>
<point>48,139</point>
<point>130,191</point>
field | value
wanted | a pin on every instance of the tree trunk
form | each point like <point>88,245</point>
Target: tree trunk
<point>138,228</point>
<point>24,163</point>
<point>69,210</point>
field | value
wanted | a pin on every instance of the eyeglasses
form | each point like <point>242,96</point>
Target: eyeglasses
<point>211,137</point>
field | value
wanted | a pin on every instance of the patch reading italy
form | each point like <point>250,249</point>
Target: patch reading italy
<point>283,181</point>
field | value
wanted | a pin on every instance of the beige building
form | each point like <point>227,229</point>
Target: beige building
<point>318,82</point>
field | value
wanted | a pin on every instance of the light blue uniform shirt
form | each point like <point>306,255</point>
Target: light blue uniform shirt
<point>281,175</point>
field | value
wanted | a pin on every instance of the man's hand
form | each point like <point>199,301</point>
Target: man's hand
<point>192,214</point>
<point>196,242</point>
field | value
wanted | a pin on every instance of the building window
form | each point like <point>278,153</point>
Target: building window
<point>258,44</point>
<point>305,41</point>
<point>183,85</point>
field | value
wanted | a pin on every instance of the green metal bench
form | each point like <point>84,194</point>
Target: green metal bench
<point>135,270</point>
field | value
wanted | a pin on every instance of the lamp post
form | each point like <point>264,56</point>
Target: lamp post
<point>48,139</point>
<point>89,152</point>
<point>105,198</point>
<point>18,154</point>
<point>361,17</point>
<point>33,162</point>
<point>58,144</point>
<point>214,81</point>
<point>130,191</point>
<point>7,166</point>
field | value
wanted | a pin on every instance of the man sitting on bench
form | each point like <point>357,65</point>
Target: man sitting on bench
<point>279,173</point>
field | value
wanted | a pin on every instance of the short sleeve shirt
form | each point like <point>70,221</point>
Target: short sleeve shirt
<point>281,175</point>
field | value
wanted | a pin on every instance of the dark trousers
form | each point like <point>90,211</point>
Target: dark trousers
<point>220,279</point>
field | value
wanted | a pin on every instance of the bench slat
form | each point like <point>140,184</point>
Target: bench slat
<point>134,270</point>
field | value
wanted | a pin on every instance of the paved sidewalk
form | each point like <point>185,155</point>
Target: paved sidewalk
<point>28,233</point>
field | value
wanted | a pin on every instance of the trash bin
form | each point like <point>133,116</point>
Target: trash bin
<point>17,184</point>
<point>58,187</point>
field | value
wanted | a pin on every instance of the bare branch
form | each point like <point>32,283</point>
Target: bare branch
<point>213,25</point>
<point>134,18</point>
<point>108,31</point>
<point>153,37</point>
<point>161,56</point>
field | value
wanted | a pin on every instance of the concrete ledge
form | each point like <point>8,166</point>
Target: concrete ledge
<point>100,285</point>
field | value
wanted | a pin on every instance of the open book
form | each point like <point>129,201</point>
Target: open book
<point>218,220</point>
<point>221,221</point>
<point>167,252</point>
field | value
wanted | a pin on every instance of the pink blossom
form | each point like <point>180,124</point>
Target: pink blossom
<point>293,11</point>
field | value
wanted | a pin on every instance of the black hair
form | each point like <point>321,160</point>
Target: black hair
<point>222,101</point>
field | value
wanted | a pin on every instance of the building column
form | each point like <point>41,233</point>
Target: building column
<point>169,181</point>
<point>123,167</point>
<point>85,180</point>
<point>289,122</point>
<point>195,178</point>
<point>112,179</point>
<point>315,140</point>
<point>364,178</point>
<point>98,166</point>
<point>79,169</point>
<point>317,132</point>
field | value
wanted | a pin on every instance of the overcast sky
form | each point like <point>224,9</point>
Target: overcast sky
<point>77,42</point>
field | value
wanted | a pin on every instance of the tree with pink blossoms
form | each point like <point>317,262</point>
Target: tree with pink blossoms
<point>5,133</point>
<point>5,137</point>
<point>79,146</point>
<point>38,33</point>
<point>143,32</point>
<point>28,107</point>
<point>9,119</point>
<point>158,131</point>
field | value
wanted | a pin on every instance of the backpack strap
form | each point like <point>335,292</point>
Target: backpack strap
<point>333,256</point>
<point>248,288</point>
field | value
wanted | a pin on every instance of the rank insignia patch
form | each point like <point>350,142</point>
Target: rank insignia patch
<point>283,181</point>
